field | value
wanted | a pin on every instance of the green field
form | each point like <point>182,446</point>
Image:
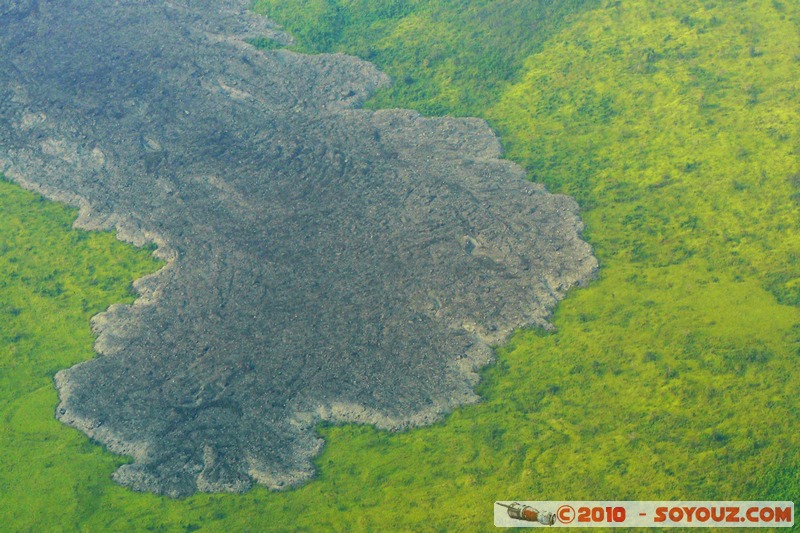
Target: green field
<point>673,376</point>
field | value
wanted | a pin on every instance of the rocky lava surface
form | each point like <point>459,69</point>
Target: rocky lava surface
<point>324,262</point>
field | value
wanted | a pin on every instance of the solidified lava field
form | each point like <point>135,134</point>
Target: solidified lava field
<point>324,262</point>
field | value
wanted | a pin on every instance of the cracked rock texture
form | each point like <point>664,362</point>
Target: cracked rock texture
<point>323,262</point>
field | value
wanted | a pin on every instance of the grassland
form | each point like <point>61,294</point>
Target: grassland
<point>673,376</point>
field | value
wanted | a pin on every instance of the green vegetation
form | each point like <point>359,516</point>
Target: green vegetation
<point>674,376</point>
<point>264,43</point>
<point>52,280</point>
<point>446,56</point>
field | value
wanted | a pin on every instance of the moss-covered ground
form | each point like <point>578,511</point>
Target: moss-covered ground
<point>673,376</point>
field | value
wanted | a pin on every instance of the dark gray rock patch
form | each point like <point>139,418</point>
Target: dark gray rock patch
<point>324,262</point>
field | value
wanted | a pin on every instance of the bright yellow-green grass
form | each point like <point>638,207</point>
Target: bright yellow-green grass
<point>52,280</point>
<point>684,122</point>
<point>673,376</point>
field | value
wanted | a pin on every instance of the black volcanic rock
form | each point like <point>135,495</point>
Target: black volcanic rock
<point>324,262</point>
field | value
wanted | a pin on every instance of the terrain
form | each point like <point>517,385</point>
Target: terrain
<point>324,263</point>
<point>674,375</point>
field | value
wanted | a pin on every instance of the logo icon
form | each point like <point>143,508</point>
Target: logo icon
<point>517,511</point>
